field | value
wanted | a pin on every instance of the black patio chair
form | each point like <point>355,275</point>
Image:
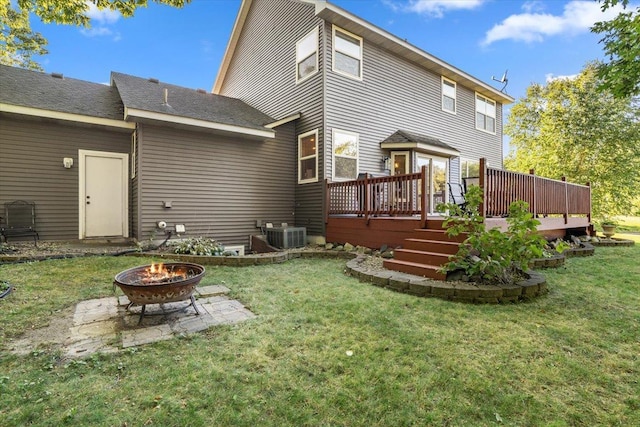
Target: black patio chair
<point>456,192</point>
<point>19,220</point>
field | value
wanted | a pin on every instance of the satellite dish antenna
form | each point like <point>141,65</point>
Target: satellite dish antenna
<point>504,80</point>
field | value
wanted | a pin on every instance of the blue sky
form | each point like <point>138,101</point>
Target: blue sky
<point>532,39</point>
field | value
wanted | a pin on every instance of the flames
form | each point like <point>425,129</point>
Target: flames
<point>158,273</point>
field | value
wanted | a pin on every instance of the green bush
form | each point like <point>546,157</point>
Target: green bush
<point>199,246</point>
<point>491,256</point>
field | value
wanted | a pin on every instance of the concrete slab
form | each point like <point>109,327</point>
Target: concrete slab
<point>146,335</point>
<point>206,291</point>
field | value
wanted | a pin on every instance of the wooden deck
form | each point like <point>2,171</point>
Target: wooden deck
<point>385,210</point>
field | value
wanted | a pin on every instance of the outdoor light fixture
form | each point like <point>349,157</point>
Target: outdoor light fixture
<point>386,163</point>
<point>67,162</point>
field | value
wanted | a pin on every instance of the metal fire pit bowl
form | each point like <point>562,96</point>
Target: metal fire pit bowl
<point>129,281</point>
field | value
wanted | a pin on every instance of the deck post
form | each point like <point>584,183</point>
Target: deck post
<point>366,197</point>
<point>566,200</point>
<point>534,208</point>
<point>423,196</point>
<point>327,200</point>
<point>589,213</point>
<point>482,182</point>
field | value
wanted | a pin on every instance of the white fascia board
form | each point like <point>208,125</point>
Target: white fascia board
<point>283,121</point>
<point>132,114</point>
<point>424,148</point>
<point>58,115</point>
<point>231,46</point>
<point>340,17</point>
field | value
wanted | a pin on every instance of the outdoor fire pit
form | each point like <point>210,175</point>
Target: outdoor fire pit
<point>160,283</point>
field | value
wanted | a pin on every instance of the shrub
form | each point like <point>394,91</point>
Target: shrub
<point>491,256</point>
<point>199,246</point>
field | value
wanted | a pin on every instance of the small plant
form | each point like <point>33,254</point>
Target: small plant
<point>491,256</point>
<point>608,222</point>
<point>199,246</point>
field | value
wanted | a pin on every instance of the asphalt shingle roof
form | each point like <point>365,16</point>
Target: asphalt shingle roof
<point>27,88</point>
<point>148,95</point>
<point>404,136</point>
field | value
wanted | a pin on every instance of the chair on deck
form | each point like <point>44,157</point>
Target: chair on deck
<point>456,191</point>
<point>19,220</point>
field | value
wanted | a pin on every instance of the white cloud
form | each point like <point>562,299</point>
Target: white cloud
<point>104,16</point>
<point>534,26</point>
<point>550,77</point>
<point>96,31</point>
<point>433,8</point>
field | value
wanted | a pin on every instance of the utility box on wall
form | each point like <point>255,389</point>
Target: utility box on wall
<point>287,237</point>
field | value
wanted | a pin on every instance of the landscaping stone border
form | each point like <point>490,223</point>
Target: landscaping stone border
<point>535,285</point>
<point>585,249</point>
<point>554,261</point>
<point>613,242</point>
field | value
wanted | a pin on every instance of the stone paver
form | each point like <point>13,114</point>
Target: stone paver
<point>97,322</point>
<point>146,335</point>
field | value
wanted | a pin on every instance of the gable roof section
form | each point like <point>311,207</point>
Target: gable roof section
<point>144,99</point>
<point>374,34</point>
<point>401,139</point>
<point>38,94</point>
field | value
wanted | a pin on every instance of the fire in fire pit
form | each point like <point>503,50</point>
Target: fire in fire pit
<point>160,283</point>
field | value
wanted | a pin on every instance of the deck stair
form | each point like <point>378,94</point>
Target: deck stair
<point>425,252</point>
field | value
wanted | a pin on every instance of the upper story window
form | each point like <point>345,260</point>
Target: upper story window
<point>308,157</point>
<point>448,95</point>
<point>307,56</point>
<point>347,53</point>
<point>345,155</point>
<point>485,114</point>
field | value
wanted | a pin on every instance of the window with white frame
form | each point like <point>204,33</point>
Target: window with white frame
<point>347,53</point>
<point>307,56</point>
<point>345,155</point>
<point>485,114</point>
<point>308,157</point>
<point>448,95</point>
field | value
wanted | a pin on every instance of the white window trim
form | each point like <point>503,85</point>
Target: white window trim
<point>475,111</point>
<point>300,80</point>
<point>134,154</point>
<point>455,97</point>
<point>333,54</point>
<point>333,154</point>
<point>300,137</point>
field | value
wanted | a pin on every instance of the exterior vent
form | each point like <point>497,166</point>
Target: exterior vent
<point>153,80</point>
<point>201,91</point>
<point>287,237</point>
<point>57,75</point>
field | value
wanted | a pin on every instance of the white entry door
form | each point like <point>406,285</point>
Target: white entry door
<point>103,194</point>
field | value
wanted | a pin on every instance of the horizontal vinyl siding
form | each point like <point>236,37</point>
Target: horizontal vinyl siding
<point>218,186</point>
<point>397,94</point>
<point>263,74</point>
<point>31,154</point>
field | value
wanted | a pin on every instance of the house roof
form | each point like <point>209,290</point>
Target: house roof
<point>55,96</point>
<point>374,34</point>
<point>150,99</point>
<point>402,139</point>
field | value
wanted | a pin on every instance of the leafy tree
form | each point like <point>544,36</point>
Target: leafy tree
<point>18,42</point>
<point>620,76</point>
<point>569,128</point>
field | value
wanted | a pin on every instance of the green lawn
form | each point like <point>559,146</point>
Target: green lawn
<point>569,358</point>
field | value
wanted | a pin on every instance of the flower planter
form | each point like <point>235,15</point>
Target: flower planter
<point>608,230</point>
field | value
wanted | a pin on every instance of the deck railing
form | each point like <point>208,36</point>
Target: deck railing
<point>408,195</point>
<point>397,195</point>
<point>545,196</point>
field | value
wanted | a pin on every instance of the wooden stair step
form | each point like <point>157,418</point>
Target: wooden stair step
<point>430,271</point>
<point>440,235</point>
<point>436,246</point>
<point>423,257</point>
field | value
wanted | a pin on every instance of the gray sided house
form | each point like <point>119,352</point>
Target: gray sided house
<point>141,151</point>
<point>369,101</point>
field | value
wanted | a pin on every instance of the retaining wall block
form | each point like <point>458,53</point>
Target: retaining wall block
<point>443,289</point>
<point>490,291</point>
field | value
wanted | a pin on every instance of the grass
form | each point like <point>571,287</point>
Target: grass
<point>569,358</point>
<point>628,223</point>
